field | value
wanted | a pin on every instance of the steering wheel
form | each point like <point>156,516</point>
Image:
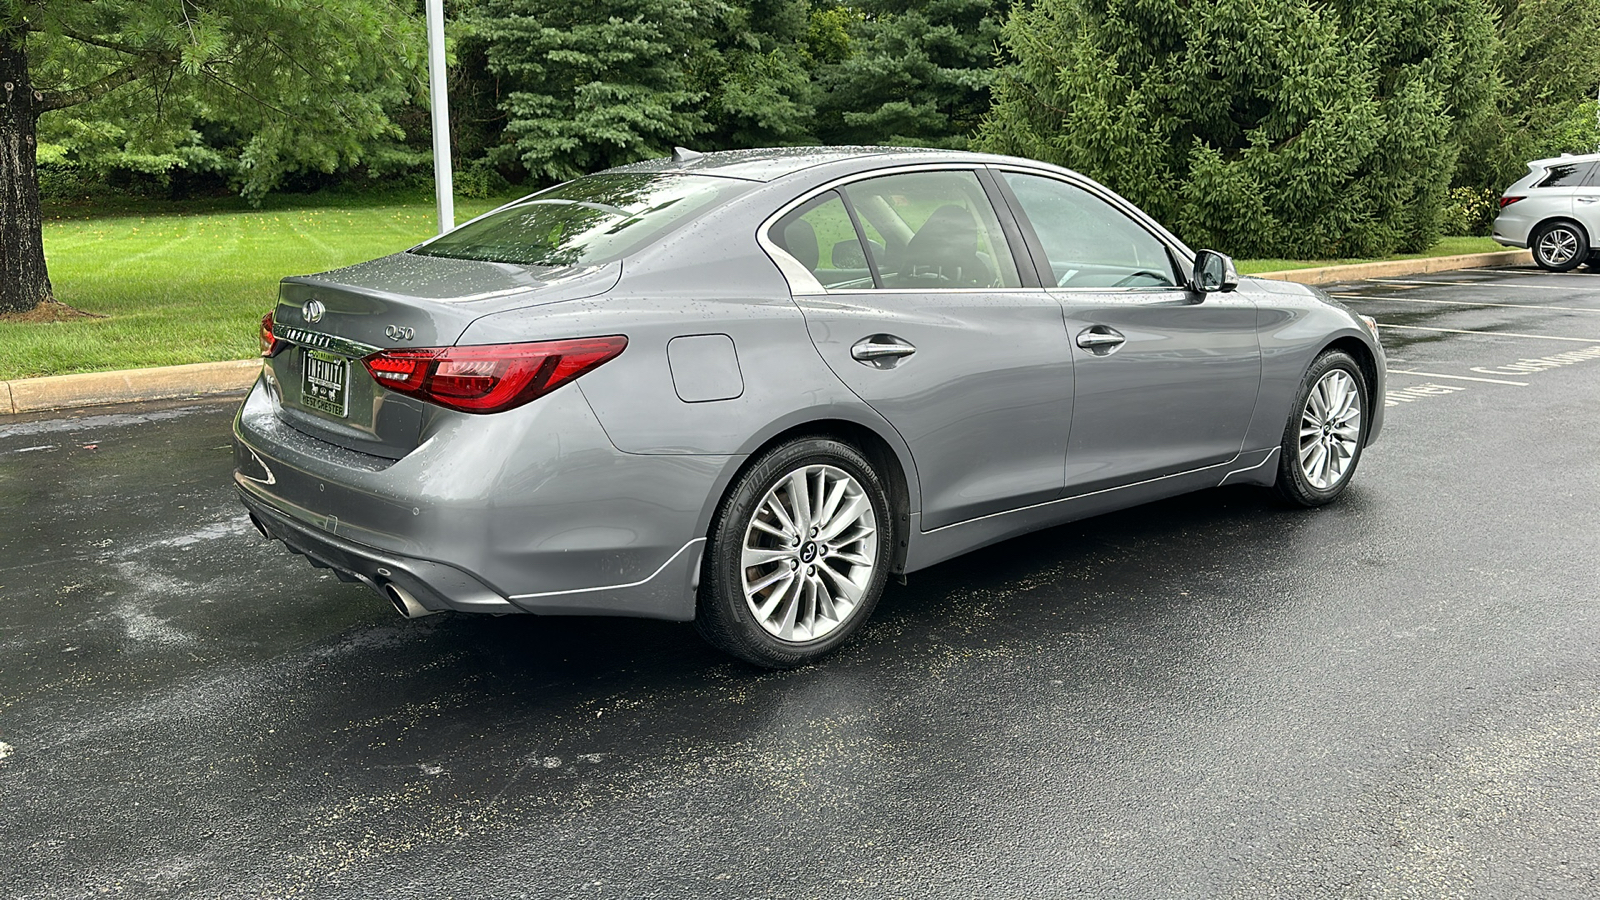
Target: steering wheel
<point>1142,273</point>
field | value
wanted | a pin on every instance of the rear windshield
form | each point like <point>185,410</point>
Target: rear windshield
<point>585,222</point>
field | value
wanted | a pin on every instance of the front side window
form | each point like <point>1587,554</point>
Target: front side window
<point>1089,242</point>
<point>592,220</point>
<point>933,230</point>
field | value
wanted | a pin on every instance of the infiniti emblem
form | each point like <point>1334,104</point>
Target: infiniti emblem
<point>808,552</point>
<point>313,311</point>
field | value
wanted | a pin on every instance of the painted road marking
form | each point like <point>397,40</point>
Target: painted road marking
<point>1418,392</point>
<point>1528,287</point>
<point>1457,377</point>
<point>1542,363</point>
<point>1510,334</point>
<point>1463,303</point>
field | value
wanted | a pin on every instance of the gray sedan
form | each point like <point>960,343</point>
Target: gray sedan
<point>745,388</point>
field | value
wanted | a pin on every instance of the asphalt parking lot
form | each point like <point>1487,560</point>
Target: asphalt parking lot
<point>1396,696</point>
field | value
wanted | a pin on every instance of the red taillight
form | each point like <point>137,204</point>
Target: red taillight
<point>493,377</point>
<point>270,345</point>
<point>1507,201</point>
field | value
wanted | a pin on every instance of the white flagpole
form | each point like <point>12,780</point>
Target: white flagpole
<point>440,110</point>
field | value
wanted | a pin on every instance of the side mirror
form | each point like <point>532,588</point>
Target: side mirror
<point>1214,272</point>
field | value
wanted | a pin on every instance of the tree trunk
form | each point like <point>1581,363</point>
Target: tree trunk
<point>24,281</point>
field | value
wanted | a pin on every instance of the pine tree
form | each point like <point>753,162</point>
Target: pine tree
<point>596,84</point>
<point>916,72</point>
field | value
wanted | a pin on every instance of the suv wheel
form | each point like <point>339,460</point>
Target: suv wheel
<point>1559,246</point>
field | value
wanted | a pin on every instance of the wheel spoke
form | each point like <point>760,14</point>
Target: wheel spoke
<point>760,556</point>
<point>773,600</point>
<point>843,585</point>
<point>759,525</point>
<point>800,501</point>
<point>825,605</point>
<point>790,529</point>
<point>770,579</point>
<point>830,506</point>
<point>850,515</point>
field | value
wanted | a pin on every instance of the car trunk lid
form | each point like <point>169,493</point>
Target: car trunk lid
<point>332,320</point>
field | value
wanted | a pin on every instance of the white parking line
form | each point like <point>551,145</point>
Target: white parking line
<point>1510,334</point>
<point>1462,303</point>
<point>1527,287</point>
<point>1456,377</point>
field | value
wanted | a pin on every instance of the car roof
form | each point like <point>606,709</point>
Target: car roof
<point>1565,159</point>
<point>770,164</point>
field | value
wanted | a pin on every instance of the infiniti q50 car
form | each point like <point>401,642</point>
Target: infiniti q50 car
<point>745,388</point>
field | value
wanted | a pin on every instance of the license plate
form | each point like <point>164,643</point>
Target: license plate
<point>323,388</point>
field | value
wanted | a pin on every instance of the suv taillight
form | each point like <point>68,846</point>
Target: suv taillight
<point>493,377</point>
<point>1507,201</point>
<point>270,345</point>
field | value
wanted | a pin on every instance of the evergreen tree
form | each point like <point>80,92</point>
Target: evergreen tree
<point>1549,63</point>
<point>596,84</point>
<point>915,72</point>
<point>1300,128</point>
<point>758,76</point>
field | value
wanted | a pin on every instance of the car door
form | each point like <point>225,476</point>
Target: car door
<point>921,310</point>
<point>1586,203</point>
<point>1165,378</point>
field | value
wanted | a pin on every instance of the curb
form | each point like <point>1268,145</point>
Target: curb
<point>127,386</point>
<point>168,382</point>
<point>1362,271</point>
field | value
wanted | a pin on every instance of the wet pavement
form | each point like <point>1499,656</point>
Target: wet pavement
<point>1396,696</point>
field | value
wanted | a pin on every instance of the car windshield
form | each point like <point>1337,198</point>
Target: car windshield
<point>592,220</point>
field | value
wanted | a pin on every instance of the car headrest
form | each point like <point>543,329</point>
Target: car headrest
<point>800,240</point>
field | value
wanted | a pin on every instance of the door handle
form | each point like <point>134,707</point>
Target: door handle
<point>1100,338</point>
<point>1586,199</point>
<point>881,350</point>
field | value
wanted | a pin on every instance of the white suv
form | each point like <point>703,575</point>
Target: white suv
<point>1554,210</point>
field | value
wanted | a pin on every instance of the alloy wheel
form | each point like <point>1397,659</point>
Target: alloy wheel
<point>1330,429</point>
<point>809,553</point>
<point>1557,246</point>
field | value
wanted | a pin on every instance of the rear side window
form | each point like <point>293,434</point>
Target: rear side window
<point>1565,175</point>
<point>820,235</point>
<point>592,220</point>
<point>933,231</point>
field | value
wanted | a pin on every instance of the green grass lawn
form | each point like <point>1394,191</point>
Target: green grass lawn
<point>188,282</point>
<point>1450,246</point>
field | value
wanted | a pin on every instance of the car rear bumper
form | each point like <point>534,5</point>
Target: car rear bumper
<point>434,585</point>
<point>532,510</point>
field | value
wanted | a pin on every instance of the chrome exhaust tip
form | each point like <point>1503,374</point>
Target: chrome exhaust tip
<point>404,602</point>
<point>259,527</point>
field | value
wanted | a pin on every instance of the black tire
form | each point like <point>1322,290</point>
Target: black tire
<point>728,621</point>
<point>1559,246</point>
<point>1295,486</point>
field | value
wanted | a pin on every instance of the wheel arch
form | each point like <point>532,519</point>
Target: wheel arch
<point>1565,220</point>
<point>891,462</point>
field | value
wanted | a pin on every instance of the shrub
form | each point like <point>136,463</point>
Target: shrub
<point>1290,128</point>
